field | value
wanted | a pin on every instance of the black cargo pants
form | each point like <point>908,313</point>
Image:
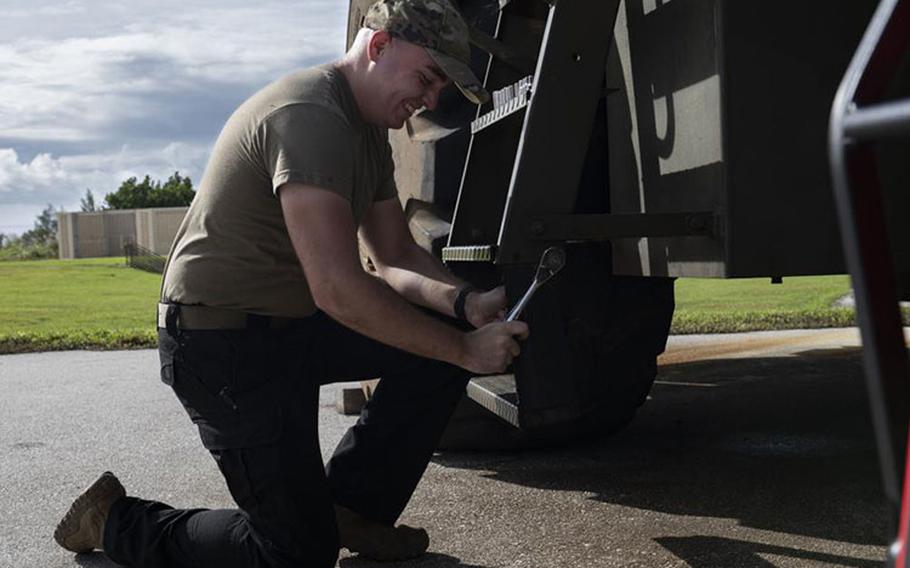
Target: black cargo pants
<point>254,395</point>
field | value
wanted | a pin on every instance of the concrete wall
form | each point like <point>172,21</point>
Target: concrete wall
<point>86,235</point>
<point>65,242</point>
<point>156,228</point>
<point>104,233</point>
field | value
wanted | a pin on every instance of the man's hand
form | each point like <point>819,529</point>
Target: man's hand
<point>482,308</point>
<point>492,348</point>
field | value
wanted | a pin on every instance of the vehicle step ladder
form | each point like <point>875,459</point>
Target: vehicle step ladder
<point>533,134</point>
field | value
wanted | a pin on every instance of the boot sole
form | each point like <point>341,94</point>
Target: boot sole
<point>74,531</point>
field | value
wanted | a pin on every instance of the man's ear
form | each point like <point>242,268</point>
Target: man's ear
<point>379,42</point>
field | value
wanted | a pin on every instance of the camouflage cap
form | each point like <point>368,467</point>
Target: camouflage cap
<point>437,26</point>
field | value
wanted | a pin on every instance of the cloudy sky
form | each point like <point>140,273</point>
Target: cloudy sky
<point>95,91</point>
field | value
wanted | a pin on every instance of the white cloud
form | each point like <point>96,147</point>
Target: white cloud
<point>81,84</point>
<point>64,9</point>
<point>92,92</point>
<point>63,180</point>
<point>41,171</point>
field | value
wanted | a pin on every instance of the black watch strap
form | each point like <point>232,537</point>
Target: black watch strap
<point>460,300</point>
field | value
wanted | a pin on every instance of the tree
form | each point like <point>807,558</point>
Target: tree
<point>44,231</point>
<point>130,195</point>
<point>37,243</point>
<point>177,191</point>
<point>87,203</point>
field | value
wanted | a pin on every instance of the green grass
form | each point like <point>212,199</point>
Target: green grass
<point>76,304</point>
<point>753,304</point>
<point>102,304</point>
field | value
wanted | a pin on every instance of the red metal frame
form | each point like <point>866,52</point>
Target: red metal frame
<point>859,199</point>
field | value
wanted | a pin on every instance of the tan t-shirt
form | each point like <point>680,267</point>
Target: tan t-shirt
<point>233,249</point>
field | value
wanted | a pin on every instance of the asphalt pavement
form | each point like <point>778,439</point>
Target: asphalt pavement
<point>753,450</point>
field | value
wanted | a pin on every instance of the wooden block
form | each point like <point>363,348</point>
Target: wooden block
<point>350,401</point>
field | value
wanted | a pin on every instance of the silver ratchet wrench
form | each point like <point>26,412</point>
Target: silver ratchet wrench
<point>551,261</point>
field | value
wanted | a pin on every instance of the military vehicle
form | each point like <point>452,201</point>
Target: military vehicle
<point>650,140</point>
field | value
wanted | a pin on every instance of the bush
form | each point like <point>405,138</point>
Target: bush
<point>40,242</point>
<point>18,250</point>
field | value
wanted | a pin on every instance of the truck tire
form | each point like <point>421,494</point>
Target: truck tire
<point>624,364</point>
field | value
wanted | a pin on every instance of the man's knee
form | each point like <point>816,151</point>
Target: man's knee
<point>286,500</point>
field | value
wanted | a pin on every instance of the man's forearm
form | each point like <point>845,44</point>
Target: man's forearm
<point>368,306</point>
<point>422,279</point>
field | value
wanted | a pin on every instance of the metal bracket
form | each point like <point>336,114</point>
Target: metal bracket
<point>878,121</point>
<point>567,88</point>
<point>621,225</point>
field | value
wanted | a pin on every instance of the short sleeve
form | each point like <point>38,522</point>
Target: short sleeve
<point>387,187</point>
<point>308,144</point>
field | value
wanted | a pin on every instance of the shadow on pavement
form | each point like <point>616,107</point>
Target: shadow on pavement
<point>779,443</point>
<point>429,560</point>
<point>743,554</point>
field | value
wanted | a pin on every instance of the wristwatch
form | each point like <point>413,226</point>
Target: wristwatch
<point>460,300</point>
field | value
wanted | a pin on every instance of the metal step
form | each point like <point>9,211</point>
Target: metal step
<point>498,394</point>
<point>506,102</point>
<point>475,253</point>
